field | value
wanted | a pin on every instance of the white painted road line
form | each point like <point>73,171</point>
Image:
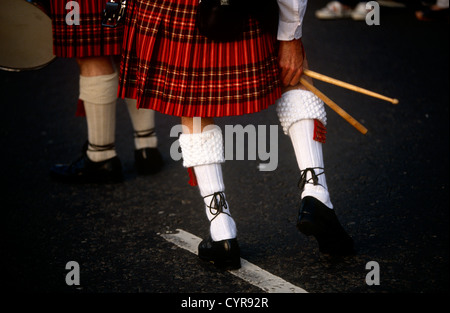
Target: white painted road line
<point>248,271</point>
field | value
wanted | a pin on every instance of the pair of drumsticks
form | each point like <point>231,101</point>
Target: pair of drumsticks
<point>332,104</point>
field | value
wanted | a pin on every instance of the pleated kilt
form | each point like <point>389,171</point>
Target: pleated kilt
<point>169,67</point>
<point>87,39</point>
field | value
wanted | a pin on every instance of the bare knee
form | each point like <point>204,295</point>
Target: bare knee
<point>95,66</point>
<point>196,124</point>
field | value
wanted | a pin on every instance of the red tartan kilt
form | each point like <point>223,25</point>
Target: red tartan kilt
<point>169,67</point>
<point>87,39</point>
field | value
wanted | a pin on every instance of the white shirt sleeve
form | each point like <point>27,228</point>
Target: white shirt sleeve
<point>291,19</point>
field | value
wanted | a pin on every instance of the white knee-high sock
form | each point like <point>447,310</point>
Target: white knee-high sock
<point>99,94</point>
<point>204,153</point>
<point>309,155</point>
<point>297,110</point>
<point>143,121</point>
<point>210,180</point>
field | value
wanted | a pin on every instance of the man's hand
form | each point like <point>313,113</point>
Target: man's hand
<point>290,59</point>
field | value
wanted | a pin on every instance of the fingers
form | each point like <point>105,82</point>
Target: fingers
<point>290,60</point>
<point>290,76</point>
<point>299,85</point>
<point>296,79</point>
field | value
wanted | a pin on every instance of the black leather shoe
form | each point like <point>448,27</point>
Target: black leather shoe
<point>224,254</point>
<point>148,161</point>
<point>318,220</point>
<point>83,170</point>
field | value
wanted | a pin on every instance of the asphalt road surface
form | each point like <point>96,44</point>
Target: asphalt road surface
<point>389,187</point>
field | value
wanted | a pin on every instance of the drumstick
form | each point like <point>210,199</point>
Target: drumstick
<point>348,86</point>
<point>334,106</point>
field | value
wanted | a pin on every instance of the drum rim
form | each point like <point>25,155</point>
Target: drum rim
<point>19,69</point>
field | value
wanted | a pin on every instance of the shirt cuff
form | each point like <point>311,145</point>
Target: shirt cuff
<point>289,31</point>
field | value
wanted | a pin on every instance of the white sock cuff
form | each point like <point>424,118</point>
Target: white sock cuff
<point>299,104</point>
<point>131,103</point>
<point>202,148</point>
<point>99,89</point>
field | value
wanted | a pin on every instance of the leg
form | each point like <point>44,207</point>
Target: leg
<point>303,118</point>
<point>202,148</point>
<point>98,90</point>
<point>147,158</point>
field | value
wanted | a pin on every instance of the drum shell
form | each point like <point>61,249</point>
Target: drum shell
<point>26,35</point>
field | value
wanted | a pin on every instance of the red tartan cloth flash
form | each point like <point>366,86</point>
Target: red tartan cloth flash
<point>320,132</point>
<point>192,178</point>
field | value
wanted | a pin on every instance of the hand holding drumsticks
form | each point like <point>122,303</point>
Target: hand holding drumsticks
<point>292,61</point>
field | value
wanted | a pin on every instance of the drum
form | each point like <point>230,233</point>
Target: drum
<point>25,36</point>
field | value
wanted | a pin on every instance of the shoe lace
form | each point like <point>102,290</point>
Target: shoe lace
<point>314,179</point>
<point>217,204</point>
<point>89,147</point>
<point>144,133</point>
<point>99,148</point>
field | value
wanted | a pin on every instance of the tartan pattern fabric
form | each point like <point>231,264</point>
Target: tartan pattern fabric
<point>89,38</point>
<point>320,132</point>
<point>169,67</point>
